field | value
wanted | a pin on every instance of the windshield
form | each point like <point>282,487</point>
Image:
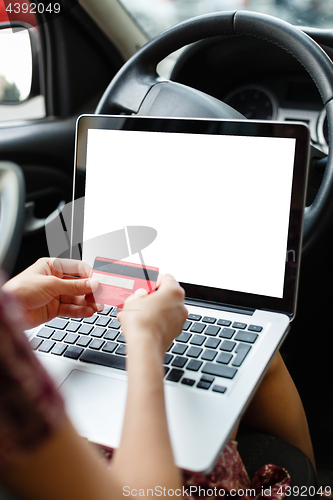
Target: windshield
<point>155,16</point>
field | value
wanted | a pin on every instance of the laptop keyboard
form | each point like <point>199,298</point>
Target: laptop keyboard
<point>206,353</point>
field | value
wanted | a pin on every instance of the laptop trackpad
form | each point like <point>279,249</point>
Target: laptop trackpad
<point>95,405</point>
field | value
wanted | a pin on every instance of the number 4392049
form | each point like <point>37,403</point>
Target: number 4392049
<point>33,8</point>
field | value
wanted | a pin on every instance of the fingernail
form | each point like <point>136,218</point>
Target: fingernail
<point>92,284</point>
<point>100,307</point>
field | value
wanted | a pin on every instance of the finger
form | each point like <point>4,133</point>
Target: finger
<point>167,281</point>
<point>71,267</point>
<point>159,279</point>
<point>72,287</point>
<point>169,284</point>
<point>140,292</point>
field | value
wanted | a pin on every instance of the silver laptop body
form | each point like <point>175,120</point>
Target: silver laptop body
<point>226,200</point>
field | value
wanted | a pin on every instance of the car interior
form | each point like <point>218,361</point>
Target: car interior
<point>99,56</point>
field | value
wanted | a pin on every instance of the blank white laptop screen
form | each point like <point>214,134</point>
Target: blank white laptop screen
<point>220,203</point>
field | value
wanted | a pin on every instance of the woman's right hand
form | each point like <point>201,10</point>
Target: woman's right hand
<point>159,315</point>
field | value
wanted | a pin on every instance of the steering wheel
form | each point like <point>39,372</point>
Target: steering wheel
<point>12,214</point>
<point>138,89</point>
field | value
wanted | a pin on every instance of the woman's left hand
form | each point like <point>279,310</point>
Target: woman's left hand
<point>54,287</point>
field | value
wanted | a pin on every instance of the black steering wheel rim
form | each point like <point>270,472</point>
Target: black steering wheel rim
<point>138,79</point>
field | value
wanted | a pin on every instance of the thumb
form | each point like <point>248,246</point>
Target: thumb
<point>76,286</point>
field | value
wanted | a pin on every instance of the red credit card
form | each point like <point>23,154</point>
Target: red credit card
<point>118,280</point>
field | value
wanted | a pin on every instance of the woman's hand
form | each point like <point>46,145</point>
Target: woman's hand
<point>159,315</point>
<point>149,323</point>
<point>53,287</point>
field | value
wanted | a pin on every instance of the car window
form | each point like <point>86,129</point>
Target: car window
<point>156,15</point>
<point>16,63</point>
<point>15,79</point>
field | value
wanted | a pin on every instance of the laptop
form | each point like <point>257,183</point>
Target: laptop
<point>224,201</point>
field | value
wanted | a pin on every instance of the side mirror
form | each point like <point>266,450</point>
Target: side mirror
<point>19,79</point>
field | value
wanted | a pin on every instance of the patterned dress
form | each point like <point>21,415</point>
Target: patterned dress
<point>31,409</point>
